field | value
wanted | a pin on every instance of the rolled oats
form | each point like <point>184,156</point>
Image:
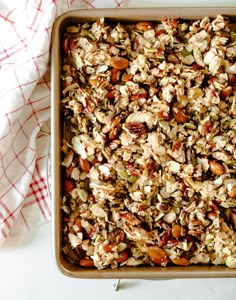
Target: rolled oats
<point>149,172</point>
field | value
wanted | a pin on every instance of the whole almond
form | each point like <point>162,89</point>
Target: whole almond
<point>157,255</point>
<point>86,262</point>
<point>119,63</point>
<point>84,165</point>
<point>144,26</point>
<point>216,168</point>
<point>180,261</point>
<point>66,45</point>
<point>179,115</point>
<point>68,185</point>
<point>176,231</point>
<point>233,219</point>
<point>123,256</point>
<point>159,32</point>
<point>232,193</point>
<point>111,95</point>
<point>232,79</point>
<point>226,92</point>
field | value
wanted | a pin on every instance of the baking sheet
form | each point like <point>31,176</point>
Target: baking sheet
<point>125,16</point>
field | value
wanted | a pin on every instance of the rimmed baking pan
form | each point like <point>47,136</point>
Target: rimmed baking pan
<point>124,16</point>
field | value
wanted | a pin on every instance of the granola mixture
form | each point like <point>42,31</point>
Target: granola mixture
<point>149,157</point>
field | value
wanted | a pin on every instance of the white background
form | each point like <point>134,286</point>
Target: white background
<point>28,271</point>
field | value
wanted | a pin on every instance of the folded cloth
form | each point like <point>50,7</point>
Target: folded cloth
<point>25,38</point>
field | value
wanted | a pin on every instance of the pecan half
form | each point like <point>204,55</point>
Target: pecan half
<point>136,128</point>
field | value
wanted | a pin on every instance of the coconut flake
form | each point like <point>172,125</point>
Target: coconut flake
<point>74,240</point>
<point>98,211</point>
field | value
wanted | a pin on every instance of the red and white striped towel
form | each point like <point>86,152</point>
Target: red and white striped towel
<point>25,33</point>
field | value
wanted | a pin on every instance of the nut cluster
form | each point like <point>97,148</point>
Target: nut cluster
<point>149,157</point>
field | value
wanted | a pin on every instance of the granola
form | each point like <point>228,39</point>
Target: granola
<point>149,157</point>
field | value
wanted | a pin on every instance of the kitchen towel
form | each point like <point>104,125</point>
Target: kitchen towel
<point>25,37</point>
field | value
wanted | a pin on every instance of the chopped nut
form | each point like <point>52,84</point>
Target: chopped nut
<point>110,247</point>
<point>176,145</point>
<point>84,165</point>
<point>96,80</point>
<point>122,256</point>
<point>179,115</point>
<point>130,218</point>
<point>114,144</point>
<point>111,94</point>
<point>173,58</point>
<point>113,134</point>
<point>207,127</point>
<point>212,215</point>
<point>115,75</point>
<point>127,77</point>
<point>77,222</point>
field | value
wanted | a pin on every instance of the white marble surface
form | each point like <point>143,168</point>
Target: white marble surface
<point>28,271</point>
